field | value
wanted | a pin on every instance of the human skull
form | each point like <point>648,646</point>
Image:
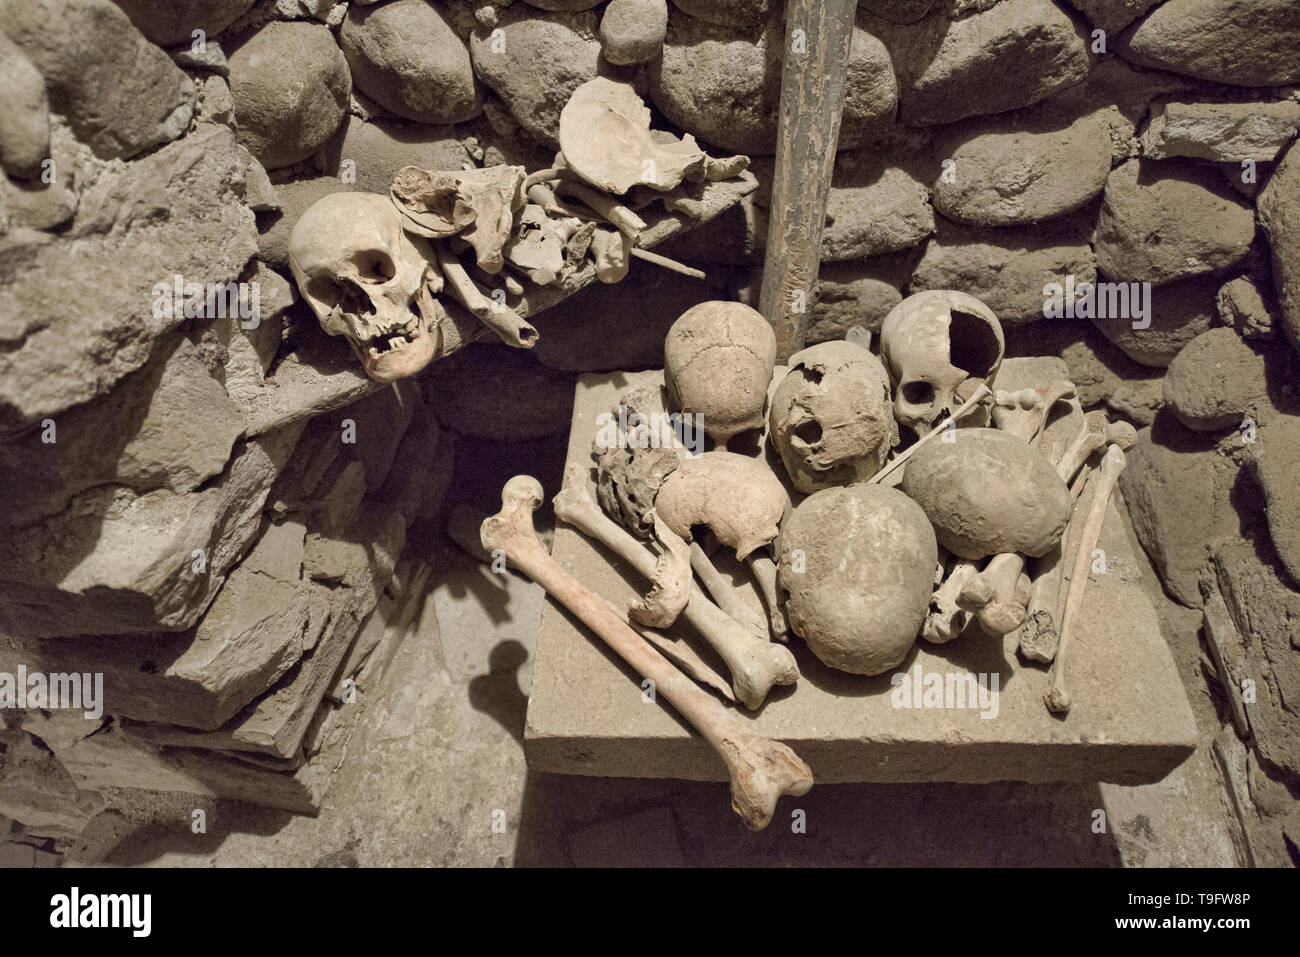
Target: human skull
<point>830,418</point>
<point>932,342</point>
<point>366,279</point>
<point>718,361</point>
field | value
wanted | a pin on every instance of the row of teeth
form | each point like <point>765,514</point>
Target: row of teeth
<point>408,327</point>
<point>395,343</point>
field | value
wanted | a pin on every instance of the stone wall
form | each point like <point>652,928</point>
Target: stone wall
<point>183,513</point>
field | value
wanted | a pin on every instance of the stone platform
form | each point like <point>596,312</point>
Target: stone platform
<point>1130,723</point>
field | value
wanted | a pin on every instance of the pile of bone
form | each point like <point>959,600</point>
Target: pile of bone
<point>371,267</point>
<point>962,531</point>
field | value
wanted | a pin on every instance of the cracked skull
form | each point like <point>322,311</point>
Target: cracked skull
<point>830,417</point>
<point>718,361</point>
<point>932,342</point>
<point>367,279</point>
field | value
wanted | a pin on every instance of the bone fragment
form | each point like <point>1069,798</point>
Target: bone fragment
<point>1024,413</point>
<point>1089,439</point>
<point>1057,697</point>
<point>667,263</point>
<point>755,665</point>
<point>1115,433</point>
<point>764,571</point>
<point>612,250</point>
<point>761,770</point>
<point>946,619</point>
<point>606,207</point>
<point>671,583</point>
<point>513,329</point>
<point>724,167</point>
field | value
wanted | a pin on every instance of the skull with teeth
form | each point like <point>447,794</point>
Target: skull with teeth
<point>367,279</point>
<point>932,342</point>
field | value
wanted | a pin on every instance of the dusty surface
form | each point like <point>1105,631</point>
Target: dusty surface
<point>1131,722</point>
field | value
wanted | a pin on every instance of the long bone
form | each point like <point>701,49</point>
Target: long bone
<point>1040,634</point>
<point>998,594</point>
<point>513,329</point>
<point>606,207</point>
<point>1057,698</point>
<point>1122,436</point>
<point>1097,431</point>
<point>763,568</point>
<point>682,655</point>
<point>1115,433</point>
<point>725,595</point>
<point>755,665</point>
<point>761,770</point>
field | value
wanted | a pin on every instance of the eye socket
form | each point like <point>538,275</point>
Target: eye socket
<point>325,290</point>
<point>374,266</point>
<point>918,393</point>
<point>329,292</point>
<point>810,432</point>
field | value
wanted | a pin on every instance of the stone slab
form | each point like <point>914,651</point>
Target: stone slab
<point>1131,722</point>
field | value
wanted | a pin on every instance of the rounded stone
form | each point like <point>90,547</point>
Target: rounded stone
<point>632,31</point>
<point>535,63</point>
<point>379,148</point>
<point>406,57</point>
<point>291,88</point>
<point>1174,315</point>
<point>1170,220</point>
<point>24,113</point>
<point>477,393</point>
<point>1215,381</point>
<point>723,84</point>
<point>857,566</point>
<point>1008,174</point>
<point>988,492</point>
<point>172,22</point>
<point>1246,42</point>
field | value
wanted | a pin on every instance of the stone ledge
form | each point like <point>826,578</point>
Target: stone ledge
<point>1130,724</point>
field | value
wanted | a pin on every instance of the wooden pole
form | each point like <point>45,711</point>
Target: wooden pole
<point>818,34</point>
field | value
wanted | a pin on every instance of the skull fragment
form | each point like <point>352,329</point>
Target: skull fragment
<point>830,418</point>
<point>932,342</point>
<point>367,279</point>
